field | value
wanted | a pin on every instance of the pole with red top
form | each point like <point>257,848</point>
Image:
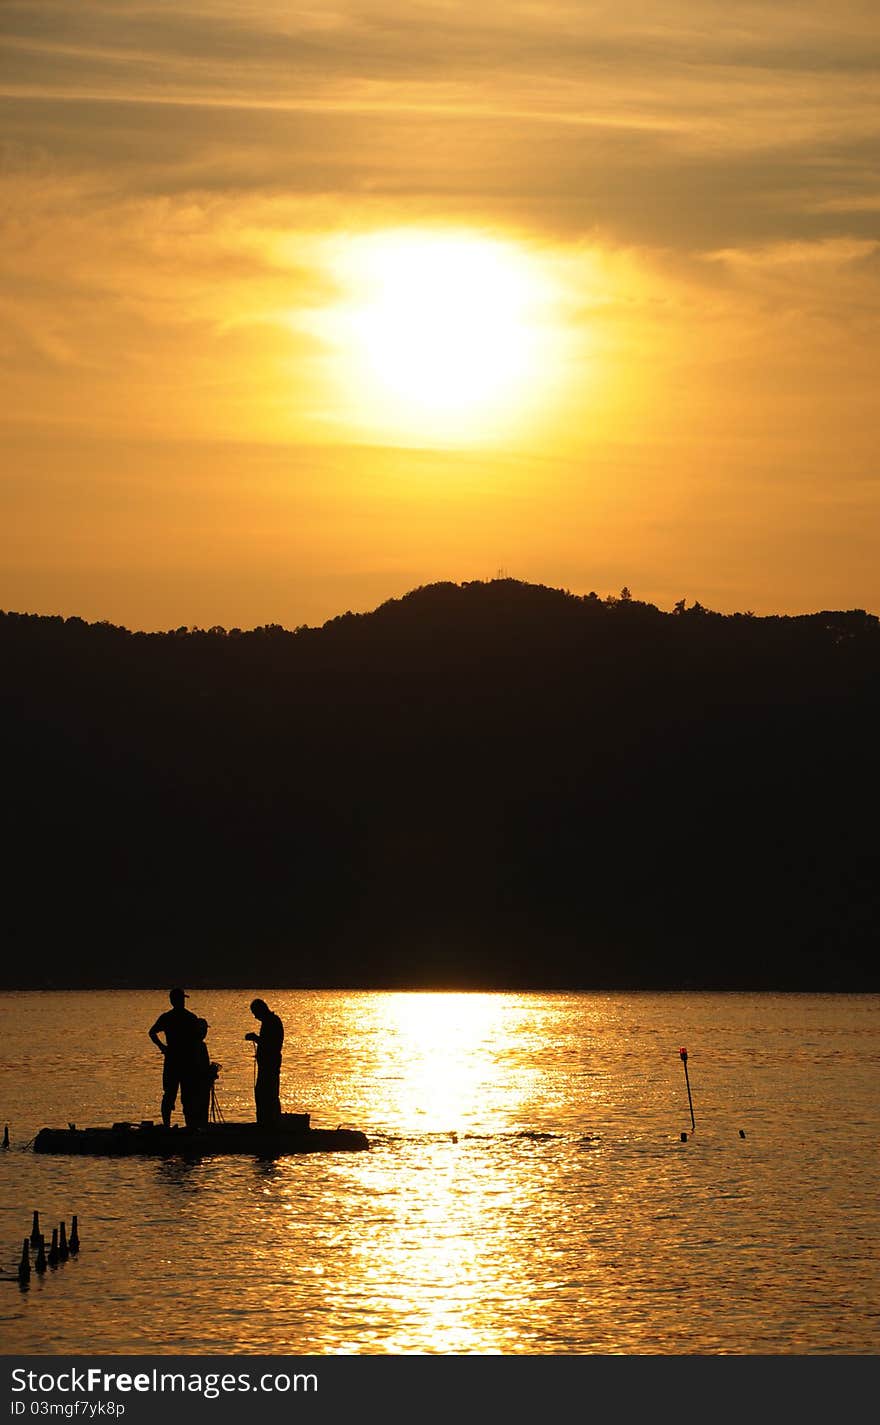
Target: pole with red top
<point>684,1060</point>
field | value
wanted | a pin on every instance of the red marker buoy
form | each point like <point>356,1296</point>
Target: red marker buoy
<point>684,1060</point>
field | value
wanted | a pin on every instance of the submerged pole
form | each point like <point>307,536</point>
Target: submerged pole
<point>63,1249</point>
<point>53,1250</point>
<point>35,1231</point>
<point>41,1263</point>
<point>6,1135</point>
<point>74,1234</point>
<point>684,1060</point>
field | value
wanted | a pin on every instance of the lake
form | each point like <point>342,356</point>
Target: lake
<point>527,1190</point>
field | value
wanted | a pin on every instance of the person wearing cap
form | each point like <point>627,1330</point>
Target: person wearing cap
<point>182,1038</point>
<point>267,1086</point>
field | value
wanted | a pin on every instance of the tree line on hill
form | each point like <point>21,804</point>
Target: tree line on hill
<point>481,785</point>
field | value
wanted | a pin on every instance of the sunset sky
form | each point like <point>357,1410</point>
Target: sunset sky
<point>302,306</point>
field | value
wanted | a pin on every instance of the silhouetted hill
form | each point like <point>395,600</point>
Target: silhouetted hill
<point>486,784</point>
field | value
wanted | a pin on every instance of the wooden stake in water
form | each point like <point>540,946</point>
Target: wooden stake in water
<point>684,1060</point>
<point>35,1231</point>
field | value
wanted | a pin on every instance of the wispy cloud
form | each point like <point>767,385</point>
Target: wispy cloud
<point>702,174</point>
<point>647,122</point>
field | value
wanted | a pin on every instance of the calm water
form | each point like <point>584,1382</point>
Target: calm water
<point>527,1190</point>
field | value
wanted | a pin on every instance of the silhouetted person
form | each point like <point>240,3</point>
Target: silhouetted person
<point>195,1087</point>
<point>267,1089</point>
<point>181,1029</point>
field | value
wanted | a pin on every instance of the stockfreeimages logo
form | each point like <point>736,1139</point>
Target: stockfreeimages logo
<point>93,1380</point>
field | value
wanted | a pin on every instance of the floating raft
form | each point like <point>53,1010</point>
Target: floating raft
<point>293,1135</point>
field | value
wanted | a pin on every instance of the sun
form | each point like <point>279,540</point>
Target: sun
<point>439,335</point>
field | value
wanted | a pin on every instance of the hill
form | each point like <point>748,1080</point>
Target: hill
<point>478,785</point>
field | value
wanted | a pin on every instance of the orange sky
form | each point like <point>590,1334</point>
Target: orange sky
<point>303,306</point>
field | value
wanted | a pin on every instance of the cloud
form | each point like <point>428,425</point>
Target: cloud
<point>692,124</point>
<point>170,177</point>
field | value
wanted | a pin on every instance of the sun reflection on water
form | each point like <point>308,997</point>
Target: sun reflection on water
<point>449,1044</point>
<point>526,1189</point>
<point>446,1237</point>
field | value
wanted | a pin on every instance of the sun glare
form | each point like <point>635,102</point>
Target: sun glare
<point>448,1041</point>
<point>440,334</point>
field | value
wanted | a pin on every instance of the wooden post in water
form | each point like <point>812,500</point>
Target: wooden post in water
<point>684,1060</point>
<point>74,1235</point>
<point>63,1249</point>
<point>41,1255</point>
<point>6,1135</point>
<point>35,1231</point>
<point>53,1250</point>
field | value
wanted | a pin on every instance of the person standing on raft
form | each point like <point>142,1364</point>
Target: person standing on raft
<point>267,1086</point>
<point>181,1029</point>
<point>195,1092</point>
